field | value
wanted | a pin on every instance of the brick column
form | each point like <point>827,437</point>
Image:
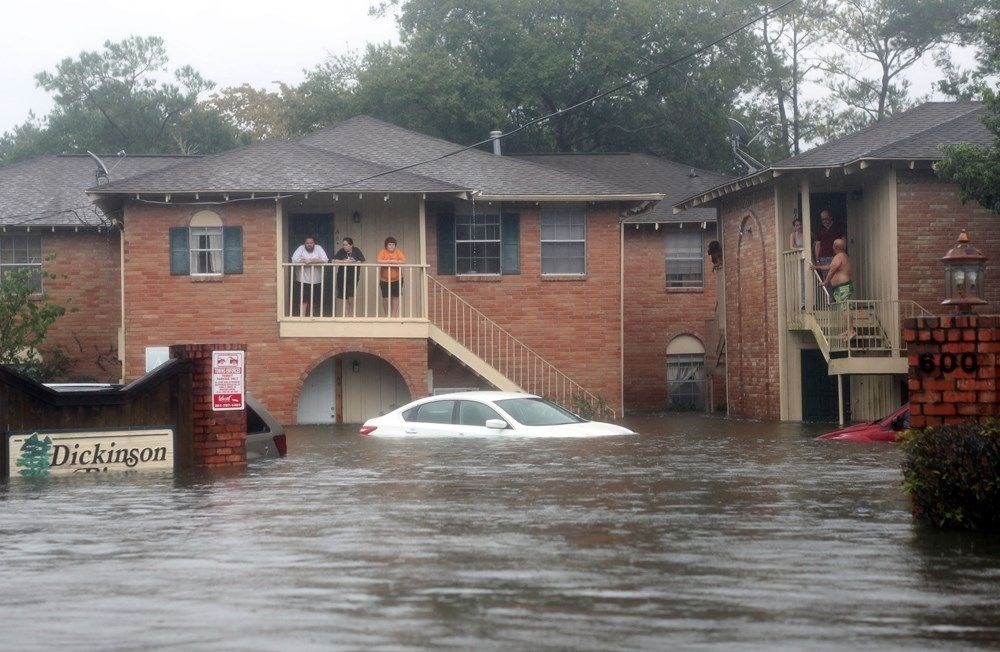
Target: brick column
<point>953,368</point>
<point>219,437</point>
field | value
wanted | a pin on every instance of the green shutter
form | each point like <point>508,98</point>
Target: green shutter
<point>180,255</point>
<point>510,243</point>
<point>446,244</point>
<point>232,249</point>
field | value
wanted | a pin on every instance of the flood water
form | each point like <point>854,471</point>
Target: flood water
<point>699,533</point>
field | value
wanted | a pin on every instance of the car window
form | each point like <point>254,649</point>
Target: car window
<point>474,413</point>
<point>433,412</point>
<point>537,412</point>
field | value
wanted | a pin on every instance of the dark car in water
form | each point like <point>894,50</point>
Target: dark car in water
<point>265,436</point>
<point>884,429</point>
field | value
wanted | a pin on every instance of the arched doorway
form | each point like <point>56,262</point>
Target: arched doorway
<point>350,388</point>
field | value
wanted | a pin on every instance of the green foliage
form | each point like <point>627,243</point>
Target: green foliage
<point>34,459</point>
<point>976,170</point>
<point>952,474</point>
<point>114,99</point>
<point>598,409</point>
<point>25,319</point>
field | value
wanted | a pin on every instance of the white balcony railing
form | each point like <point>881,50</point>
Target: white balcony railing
<point>353,291</point>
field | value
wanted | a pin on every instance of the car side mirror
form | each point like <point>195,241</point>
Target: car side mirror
<point>496,424</point>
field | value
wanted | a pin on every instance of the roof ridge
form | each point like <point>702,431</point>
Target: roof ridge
<point>962,116</point>
<point>385,168</point>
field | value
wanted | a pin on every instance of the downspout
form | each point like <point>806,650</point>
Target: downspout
<point>121,297</point>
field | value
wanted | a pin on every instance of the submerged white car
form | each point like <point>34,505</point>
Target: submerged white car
<point>486,414</point>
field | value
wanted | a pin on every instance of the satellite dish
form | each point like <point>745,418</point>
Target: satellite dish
<point>102,170</point>
<point>738,132</point>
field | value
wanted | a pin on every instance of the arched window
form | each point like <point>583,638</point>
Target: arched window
<point>205,247</point>
<point>685,373</point>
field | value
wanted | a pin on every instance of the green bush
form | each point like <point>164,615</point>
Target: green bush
<point>952,474</point>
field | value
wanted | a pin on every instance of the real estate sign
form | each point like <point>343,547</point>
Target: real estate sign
<point>227,380</point>
<point>41,454</point>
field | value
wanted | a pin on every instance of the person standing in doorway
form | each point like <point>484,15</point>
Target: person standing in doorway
<point>309,279</point>
<point>390,277</point>
<point>823,238</point>
<point>347,274</point>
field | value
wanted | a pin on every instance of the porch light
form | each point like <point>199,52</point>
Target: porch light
<point>356,217</point>
<point>963,275</point>
<point>355,366</point>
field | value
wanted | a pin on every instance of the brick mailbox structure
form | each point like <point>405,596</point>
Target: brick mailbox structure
<point>219,436</point>
<point>953,368</point>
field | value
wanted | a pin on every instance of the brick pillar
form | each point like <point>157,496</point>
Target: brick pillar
<point>953,368</point>
<point>219,437</point>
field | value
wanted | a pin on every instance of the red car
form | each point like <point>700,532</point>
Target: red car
<point>884,429</point>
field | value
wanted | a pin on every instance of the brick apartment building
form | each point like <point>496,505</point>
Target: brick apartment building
<point>788,351</point>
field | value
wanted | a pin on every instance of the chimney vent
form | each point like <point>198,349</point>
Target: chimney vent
<point>495,137</point>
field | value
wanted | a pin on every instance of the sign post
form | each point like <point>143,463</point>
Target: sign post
<point>228,386</point>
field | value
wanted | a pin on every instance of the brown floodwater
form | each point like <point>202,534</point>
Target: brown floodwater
<point>698,533</point>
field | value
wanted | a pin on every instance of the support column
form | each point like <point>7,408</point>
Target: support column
<point>219,437</point>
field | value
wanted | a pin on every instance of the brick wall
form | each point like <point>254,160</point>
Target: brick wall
<point>953,368</point>
<point>573,323</point>
<point>86,266</point>
<point>655,314</point>
<point>163,310</point>
<point>752,303</point>
<point>930,218</point>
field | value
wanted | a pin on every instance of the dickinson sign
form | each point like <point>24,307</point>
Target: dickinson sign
<point>45,453</point>
<point>227,380</point>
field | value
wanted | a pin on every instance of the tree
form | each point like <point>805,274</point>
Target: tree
<point>875,42</point>
<point>112,100</point>
<point>976,170</point>
<point>25,319</point>
<point>33,461</point>
<point>465,67</point>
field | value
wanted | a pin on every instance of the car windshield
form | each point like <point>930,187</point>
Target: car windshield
<point>537,412</point>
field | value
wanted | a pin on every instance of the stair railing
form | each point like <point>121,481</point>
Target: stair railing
<point>498,348</point>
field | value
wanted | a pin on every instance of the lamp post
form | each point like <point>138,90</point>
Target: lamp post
<point>963,276</point>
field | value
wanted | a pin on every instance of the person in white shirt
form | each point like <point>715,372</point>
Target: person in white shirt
<point>309,281</point>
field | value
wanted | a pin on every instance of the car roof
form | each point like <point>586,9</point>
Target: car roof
<point>484,395</point>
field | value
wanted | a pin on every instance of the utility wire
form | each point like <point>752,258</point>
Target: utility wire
<point>625,84</point>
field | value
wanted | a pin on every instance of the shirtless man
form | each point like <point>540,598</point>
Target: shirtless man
<point>838,273</point>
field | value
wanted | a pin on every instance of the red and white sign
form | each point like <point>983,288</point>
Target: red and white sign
<point>227,380</point>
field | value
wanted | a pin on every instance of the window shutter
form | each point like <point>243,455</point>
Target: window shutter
<point>446,244</point>
<point>180,256</point>
<point>232,250</point>
<point>510,243</point>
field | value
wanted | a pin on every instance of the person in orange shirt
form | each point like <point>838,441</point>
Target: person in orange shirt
<point>390,278</point>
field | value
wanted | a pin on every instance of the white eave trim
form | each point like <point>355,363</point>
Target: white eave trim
<point>567,198</point>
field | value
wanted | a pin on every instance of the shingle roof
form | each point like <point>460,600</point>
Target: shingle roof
<point>914,135</point>
<point>643,173</point>
<point>360,155</point>
<point>50,190</point>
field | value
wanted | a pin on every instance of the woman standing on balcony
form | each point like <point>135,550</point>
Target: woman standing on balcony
<point>347,278</point>
<point>390,278</point>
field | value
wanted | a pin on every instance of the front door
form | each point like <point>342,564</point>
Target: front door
<point>319,226</point>
<point>819,389</point>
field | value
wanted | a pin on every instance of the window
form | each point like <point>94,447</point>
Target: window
<point>564,240</point>
<point>477,244</point>
<point>433,412</point>
<point>206,248</point>
<point>685,263</point>
<point>473,413</point>
<point>685,374</point>
<point>22,252</point>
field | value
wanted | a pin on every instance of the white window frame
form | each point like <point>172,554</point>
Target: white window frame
<point>32,257</point>
<point>685,255</point>
<point>550,213</point>
<point>484,222</point>
<point>206,224</point>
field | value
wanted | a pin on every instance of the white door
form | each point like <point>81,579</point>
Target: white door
<point>318,404</point>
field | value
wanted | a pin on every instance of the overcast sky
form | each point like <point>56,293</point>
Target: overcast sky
<point>230,42</point>
<point>227,41</point>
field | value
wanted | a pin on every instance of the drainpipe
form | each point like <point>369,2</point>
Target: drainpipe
<point>495,137</point>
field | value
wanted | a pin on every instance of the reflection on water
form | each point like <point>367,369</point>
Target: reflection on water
<point>697,533</point>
